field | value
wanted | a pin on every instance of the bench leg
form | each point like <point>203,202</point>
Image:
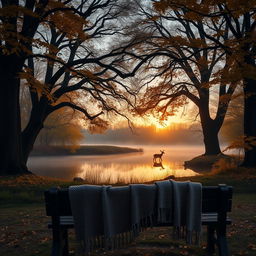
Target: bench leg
<point>211,240</point>
<point>65,241</point>
<point>60,242</point>
<point>222,245</point>
<point>222,240</point>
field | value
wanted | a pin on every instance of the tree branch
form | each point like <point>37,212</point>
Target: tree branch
<point>73,106</point>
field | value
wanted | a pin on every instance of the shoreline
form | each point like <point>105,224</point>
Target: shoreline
<point>86,150</point>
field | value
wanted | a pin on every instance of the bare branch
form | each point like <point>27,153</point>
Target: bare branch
<point>73,106</point>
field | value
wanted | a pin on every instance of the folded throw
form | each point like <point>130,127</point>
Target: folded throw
<point>116,216</point>
<point>194,212</point>
<point>110,217</point>
<point>87,212</point>
<point>164,201</point>
<point>187,205</point>
<point>143,201</point>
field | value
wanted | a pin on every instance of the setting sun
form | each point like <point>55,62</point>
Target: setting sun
<point>159,125</point>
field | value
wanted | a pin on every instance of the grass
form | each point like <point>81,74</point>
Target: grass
<point>23,223</point>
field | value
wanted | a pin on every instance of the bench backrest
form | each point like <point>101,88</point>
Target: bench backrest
<point>214,199</point>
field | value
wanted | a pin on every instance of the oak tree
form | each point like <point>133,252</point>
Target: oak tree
<point>196,73</point>
<point>66,38</point>
<point>240,20</point>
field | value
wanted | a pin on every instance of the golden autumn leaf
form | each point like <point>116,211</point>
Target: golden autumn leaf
<point>242,142</point>
<point>98,125</point>
<point>35,84</point>
<point>67,21</point>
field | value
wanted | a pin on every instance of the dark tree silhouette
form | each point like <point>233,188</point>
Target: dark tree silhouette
<point>197,72</point>
<point>239,17</point>
<point>59,36</point>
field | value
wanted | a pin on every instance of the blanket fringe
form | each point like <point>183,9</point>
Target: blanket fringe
<point>191,237</point>
<point>118,241</point>
<point>121,240</point>
<point>106,243</point>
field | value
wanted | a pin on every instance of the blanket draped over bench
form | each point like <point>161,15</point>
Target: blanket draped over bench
<point>110,217</point>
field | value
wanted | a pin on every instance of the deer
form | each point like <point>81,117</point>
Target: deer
<point>158,156</point>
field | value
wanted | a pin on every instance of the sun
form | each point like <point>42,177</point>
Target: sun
<point>161,125</point>
<point>158,125</point>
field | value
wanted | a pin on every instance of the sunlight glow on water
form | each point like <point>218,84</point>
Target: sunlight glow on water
<point>125,168</point>
<point>127,173</point>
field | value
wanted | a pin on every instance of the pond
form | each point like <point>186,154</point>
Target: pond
<point>123,168</point>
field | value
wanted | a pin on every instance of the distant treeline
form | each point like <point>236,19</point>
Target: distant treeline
<point>83,150</point>
<point>176,134</point>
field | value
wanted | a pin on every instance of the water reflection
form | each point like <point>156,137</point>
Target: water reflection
<point>127,173</point>
<point>160,164</point>
<point>125,168</point>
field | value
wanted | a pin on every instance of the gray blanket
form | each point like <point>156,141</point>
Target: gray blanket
<point>164,201</point>
<point>110,217</point>
<point>187,205</point>
<point>142,206</point>
<point>87,211</point>
<point>116,216</point>
<point>180,203</point>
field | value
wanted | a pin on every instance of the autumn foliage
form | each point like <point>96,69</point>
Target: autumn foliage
<point>185,50</point>
<point>53,46</point>
<point>212,28</point>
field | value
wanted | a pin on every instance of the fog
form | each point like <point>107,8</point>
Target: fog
<point>125,168</point>
<point>175,135</point>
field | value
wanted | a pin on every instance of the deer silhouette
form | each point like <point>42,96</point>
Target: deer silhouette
<point>158,157</point>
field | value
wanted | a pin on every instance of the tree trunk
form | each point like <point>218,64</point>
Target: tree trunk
<point>34,126</point>
<point>210,133</point>
<point>29,136</point>
<point>211,141</point>
<point>10,128</point>
<point>250,121</point>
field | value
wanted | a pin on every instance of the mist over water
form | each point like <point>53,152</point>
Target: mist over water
<point>125,168</point>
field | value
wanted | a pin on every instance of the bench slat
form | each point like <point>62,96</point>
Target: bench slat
<point>207,218</point>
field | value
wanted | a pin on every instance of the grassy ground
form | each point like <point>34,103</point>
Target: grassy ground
<point>23,224</point>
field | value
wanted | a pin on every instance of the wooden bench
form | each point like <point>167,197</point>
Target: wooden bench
<point>216,203</point>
